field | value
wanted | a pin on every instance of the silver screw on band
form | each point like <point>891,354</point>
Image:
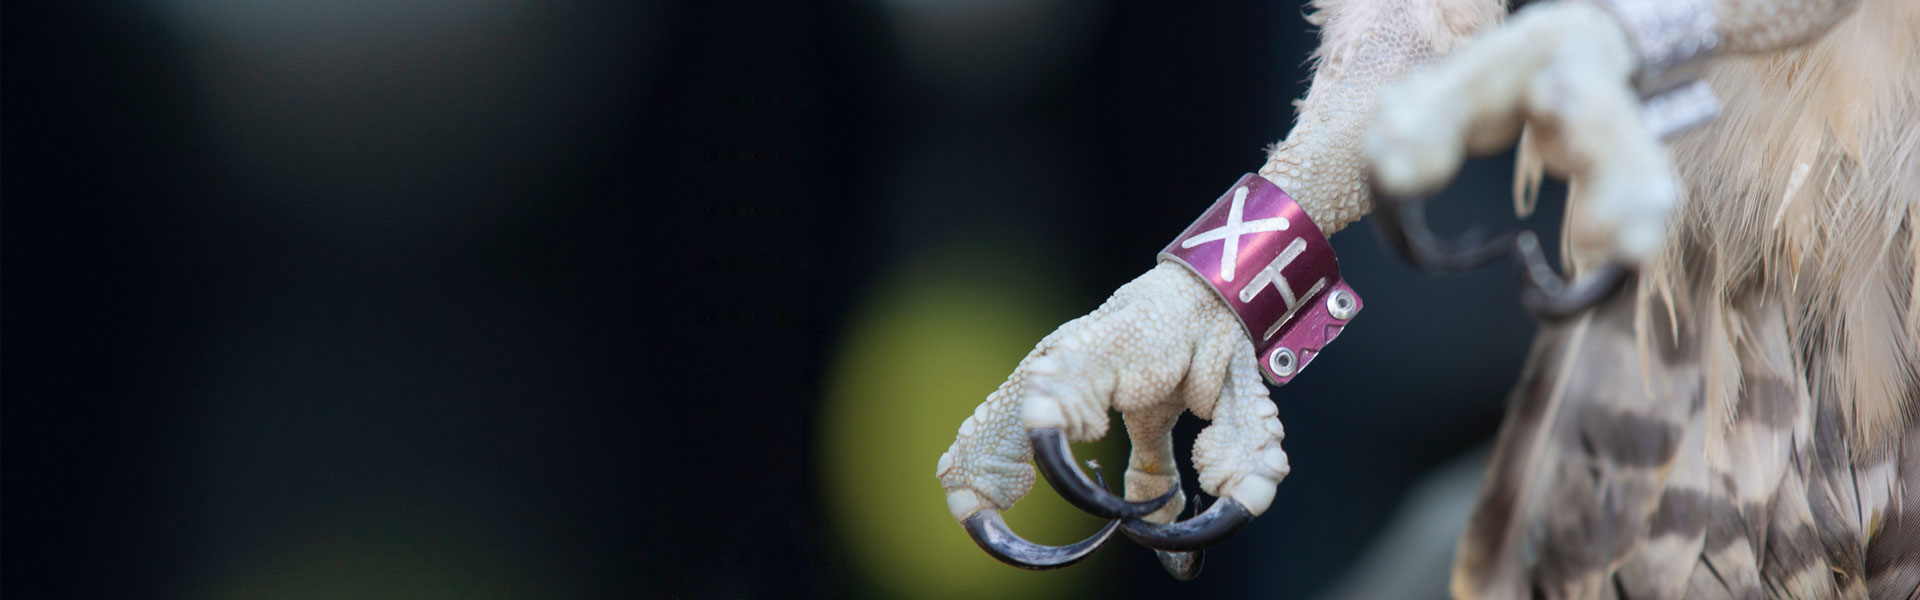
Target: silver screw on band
<point>1340,305</point>
<point>1282,362</point>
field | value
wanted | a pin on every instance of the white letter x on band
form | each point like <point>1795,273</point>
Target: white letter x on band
<point>1231,232</point>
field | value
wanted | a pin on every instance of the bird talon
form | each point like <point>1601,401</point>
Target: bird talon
<point>1546,295</point>
<point>992,534</point>
<point>1549,297</point>
<point>1402,222</point>
<point>1184,566</point>
<point>1211,527</point>
<point>1055,458</point>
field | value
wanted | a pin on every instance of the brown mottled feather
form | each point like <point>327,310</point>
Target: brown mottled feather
<point>1742,424</point>
<point>1581,464</point>
<point>1893,559</point>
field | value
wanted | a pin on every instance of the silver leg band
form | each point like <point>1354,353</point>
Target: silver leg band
<point>1671,37</point>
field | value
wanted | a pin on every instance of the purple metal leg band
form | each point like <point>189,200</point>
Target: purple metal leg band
<point>1268,261</point>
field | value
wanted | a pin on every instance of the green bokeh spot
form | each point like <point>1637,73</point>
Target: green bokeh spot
<point>924,349</point>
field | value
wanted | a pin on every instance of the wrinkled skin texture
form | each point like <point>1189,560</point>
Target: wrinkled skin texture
<point>1161,345</point>
<point>1165,343</point>
<point>1385,111</point>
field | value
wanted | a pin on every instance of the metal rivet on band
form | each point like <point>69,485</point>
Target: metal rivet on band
<point>1281,361</point>
<point>1281,281</point>
<point>1340,304</point>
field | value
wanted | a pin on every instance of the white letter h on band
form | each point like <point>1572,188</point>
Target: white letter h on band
<point>1271,275</point>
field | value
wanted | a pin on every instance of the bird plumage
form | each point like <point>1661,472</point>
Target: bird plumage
<point>1741,423</point>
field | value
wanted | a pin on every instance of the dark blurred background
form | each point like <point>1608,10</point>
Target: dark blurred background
<point>518,299</point>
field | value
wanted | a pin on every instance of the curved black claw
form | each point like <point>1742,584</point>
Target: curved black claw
<point>1184,566</point>
<point>1402,222</point>
<point>1548,296</point>
<point>1050,451</point>
<point>990,531</point>
<point>1218,523</point>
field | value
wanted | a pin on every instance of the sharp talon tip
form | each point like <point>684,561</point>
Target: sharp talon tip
<point>992,534</point>
<point>1056,461</point>
<point>1218,523</point>
<point>1183,566</point>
